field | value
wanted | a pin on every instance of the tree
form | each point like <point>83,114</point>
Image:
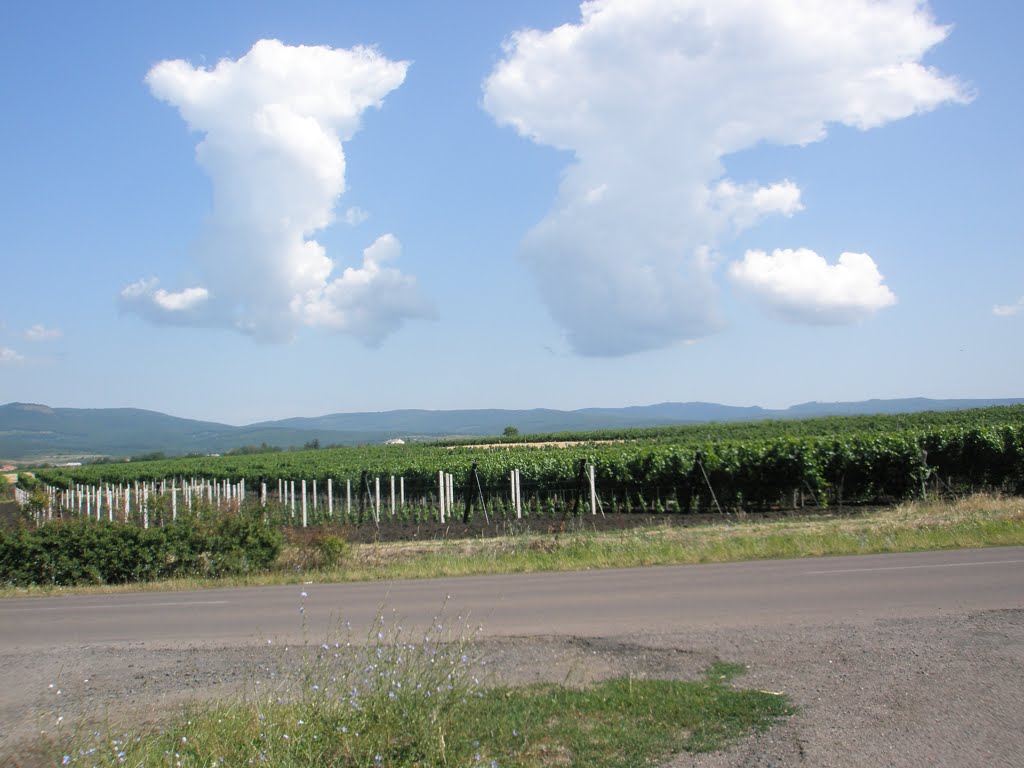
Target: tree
<point>510,432</point>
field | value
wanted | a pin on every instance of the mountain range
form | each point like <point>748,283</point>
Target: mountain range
<point>32,431</point>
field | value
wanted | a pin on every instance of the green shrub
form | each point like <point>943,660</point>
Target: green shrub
<point>333,549</point>
<point>100,552</point>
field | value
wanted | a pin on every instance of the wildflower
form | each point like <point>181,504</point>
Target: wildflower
<point>303,594</point>
<point>67,758</point>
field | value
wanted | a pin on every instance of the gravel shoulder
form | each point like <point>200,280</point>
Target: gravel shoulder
<point>946,689</point>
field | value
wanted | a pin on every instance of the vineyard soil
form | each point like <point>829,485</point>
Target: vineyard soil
<point>478,528</point>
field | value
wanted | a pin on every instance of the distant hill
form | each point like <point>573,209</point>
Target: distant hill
<point>30,430</point>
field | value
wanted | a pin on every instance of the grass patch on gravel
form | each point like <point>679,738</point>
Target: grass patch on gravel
<point>977,521</point>
<point>618,723</point>
<point>401,704</point>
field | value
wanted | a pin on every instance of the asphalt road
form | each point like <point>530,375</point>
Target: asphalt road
<point>590,603</point>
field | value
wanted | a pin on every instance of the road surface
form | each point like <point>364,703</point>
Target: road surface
<point>588,603</point>
<point>894,660</point>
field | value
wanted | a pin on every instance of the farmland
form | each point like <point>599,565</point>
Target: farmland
<point>721,467</point>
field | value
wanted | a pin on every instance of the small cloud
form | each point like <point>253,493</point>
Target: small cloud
<point>1009,310</point>
<point>42,333</point>
<point>9,356</point>
<point>368,302</point>
<point>802,286</point>
<point>182,301</point>
<point>143,297</point>
<point>355,215</point>
<point>743,205</point>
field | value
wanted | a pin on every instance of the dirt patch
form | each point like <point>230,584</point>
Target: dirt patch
<point>544,444</point>
<point>394,529</point>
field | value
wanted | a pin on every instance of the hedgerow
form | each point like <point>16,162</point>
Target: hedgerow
<point>82,551</point>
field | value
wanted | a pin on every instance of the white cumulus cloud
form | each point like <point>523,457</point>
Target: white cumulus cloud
<point>804,287</point>
<point>273,124</point>
<point>369,302</point>
<point>650,96</point>
<point>40,332</point>
<point>1009,310</point>
<point>185,307</point>
<point>10,356</point>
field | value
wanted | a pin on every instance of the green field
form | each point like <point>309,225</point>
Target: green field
<point>752,466</point>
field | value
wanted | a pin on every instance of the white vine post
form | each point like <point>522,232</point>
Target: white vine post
<point>376,500</point>
<point>593,490</point>
<point>174,501</point>
<point>392,495</point>
<point>314,495</point>
<point>330,498</point>
<point>293,499</point>
<point>401,490</point>
<point>303,503</point>
<point>263,494</point>
<point>348,499</point>
<point>440,493</point>
<point>517,494</point>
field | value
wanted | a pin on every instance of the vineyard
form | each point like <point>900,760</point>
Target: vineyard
<point>722,468</point>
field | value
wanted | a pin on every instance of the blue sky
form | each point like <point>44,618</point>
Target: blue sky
<point>538,206</point>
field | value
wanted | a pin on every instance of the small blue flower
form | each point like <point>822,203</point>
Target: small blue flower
<point>66,760</point>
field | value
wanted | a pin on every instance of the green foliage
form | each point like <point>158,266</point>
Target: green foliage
<point>510,432</point>
<point>81,551</point>
<point>333,549</point>
<point>746,466</point>
<point>248,450</point>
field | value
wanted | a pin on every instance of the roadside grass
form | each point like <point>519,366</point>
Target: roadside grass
<point>975,521</point>
<point>617,723</point>
<point>400,701</point>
